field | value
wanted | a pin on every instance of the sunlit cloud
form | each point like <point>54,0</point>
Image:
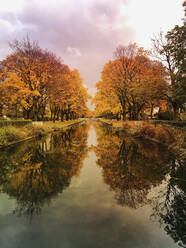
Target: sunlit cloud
<point>74,51</point>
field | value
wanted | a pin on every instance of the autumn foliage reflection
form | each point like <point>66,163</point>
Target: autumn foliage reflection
<point>36,172</point>
<point>170,205</point>
<point>130,167</point>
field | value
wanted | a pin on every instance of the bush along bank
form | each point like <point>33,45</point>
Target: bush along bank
<point>10,135</point>
<point>16,123</point>
<point>171,137</point>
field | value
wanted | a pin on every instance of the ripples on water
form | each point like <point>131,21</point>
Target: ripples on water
<point>91,186</point>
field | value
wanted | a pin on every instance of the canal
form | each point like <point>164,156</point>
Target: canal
<point>91,187</point>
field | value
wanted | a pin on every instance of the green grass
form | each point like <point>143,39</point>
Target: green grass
<point>16,123</point>
<point>12,134</point>
<point>47,127</point>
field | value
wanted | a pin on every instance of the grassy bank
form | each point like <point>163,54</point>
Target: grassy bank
<point>181,124</point>
<point>15,123</point>
<point>169,136</point>
<point>10,134</point>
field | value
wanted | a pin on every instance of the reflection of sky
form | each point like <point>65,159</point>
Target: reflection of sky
<point>92,139</point>
<point>85,215</point>
<point>7,205</point>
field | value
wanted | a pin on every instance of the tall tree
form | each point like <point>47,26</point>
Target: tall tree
<point>171,51</point>
<point>132,82</point>
<point>36,79</point>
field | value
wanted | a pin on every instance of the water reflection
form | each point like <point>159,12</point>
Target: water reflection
<point>147,181</point>
<point>35,172</point>
<point>130,167</point>
<point>133,169</point>
<point>170,206</point>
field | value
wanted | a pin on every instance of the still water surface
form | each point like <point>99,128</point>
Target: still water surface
<point>91,187</point>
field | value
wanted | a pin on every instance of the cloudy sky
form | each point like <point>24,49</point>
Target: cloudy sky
<point>84,33</point>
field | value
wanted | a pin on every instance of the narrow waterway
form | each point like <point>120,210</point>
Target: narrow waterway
<point>91,187</point>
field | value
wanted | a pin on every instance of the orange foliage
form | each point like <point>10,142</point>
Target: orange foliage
<point>36,79</point>
<point>163,134</point>
<point>130,83</point>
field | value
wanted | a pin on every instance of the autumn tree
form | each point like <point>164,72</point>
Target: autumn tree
<point>77,97</point>
<point>26,72</point>
<point>171,51</point>
<point>68,96</point>
<point>106,102</point>
<point>132,82</point>
<point>36,79</point>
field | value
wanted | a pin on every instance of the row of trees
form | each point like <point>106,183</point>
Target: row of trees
<point>133,84</point>
<point>36,82</point>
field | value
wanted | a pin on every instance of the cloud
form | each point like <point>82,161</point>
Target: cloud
<point>74,51</point>
<point>83,33</point>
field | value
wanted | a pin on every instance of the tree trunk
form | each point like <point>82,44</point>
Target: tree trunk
<point>67,115</point>
<point>151,110</point>
<point>54,118</point>
<point>26,113</point>
<point>51,114</point>
<point>175,112</point>
<point>1,110</point>
<point>62,115</point>
<point>58,115</point>
<point>34,109</point>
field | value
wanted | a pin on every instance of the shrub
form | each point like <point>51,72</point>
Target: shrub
<point>167,115</point>
<point>40,131</point>
<point>17,123</point>
<point>10,134</point>
<point>163,134</point>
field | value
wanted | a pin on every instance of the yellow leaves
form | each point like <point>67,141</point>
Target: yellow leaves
<point>35,93</point>
<point>130,82</point>
<point>25,104</point>
<point>15,91</point>
<point>68,92</point>
<point>34,78</point>
<point>105,100</point>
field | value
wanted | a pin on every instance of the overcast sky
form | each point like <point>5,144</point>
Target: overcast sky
<point>84,33</point>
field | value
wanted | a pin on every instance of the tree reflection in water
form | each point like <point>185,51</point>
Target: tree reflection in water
<point>130,167</point>
<point>133,168</point>
<point>35,172</point>
<point>170,206</point>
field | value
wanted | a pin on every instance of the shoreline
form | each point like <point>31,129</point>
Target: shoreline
<point>45,132</point>
<point>136,126</point>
